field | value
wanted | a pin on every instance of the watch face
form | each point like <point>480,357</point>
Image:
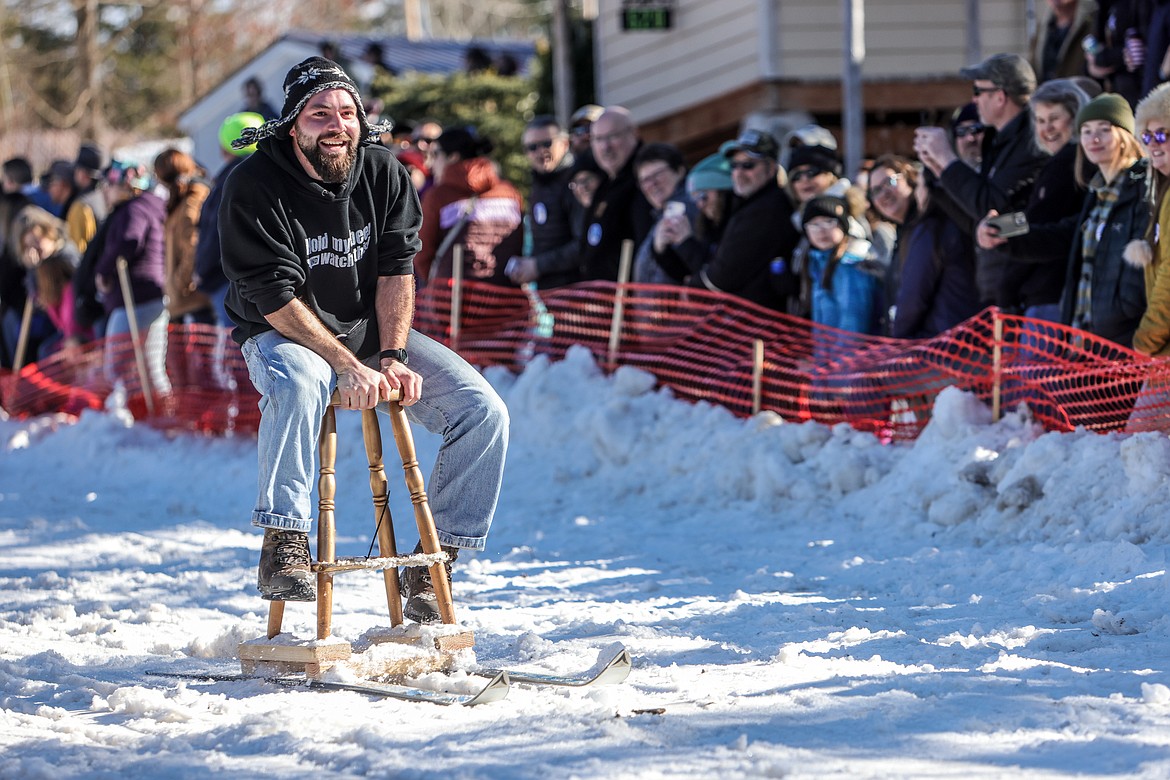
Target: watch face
<point>395,354</point>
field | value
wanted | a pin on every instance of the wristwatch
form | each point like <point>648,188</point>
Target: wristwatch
<point>394,354</point>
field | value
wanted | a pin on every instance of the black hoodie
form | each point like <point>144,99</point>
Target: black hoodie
<point>284,235</point>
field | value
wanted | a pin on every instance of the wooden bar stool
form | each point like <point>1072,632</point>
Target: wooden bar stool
<point>312,657</point>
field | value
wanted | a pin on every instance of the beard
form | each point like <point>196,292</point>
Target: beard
<point>333,169</point>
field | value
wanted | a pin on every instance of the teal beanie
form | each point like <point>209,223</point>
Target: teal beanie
<point>710,173</point>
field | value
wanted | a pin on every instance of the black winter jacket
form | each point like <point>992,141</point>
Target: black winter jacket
<point>553,214</point>
<point>759,231</point>
<point>619,211</point>
<point>1011,162</point>
<point>1039,279</point>
<point>1118,298</point>
<point>285,236</point>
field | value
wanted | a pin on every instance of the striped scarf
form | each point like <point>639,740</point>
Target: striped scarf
<point>1107,195</point>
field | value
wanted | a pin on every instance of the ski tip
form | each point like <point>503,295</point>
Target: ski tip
<point>617,670</point>
<point>496,690</point>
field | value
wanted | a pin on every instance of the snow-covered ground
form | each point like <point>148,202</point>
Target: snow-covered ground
<point>800,601</point>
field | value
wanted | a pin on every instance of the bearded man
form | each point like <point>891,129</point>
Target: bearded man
<point>319,229</point>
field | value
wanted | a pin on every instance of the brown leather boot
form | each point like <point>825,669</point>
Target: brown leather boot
<point>284,573</point>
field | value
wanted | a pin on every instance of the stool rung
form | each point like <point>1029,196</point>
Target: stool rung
<point>378,564</point>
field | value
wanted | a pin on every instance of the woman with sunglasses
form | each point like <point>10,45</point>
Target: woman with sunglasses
<point>1152,256</point>
<point>1103,294</point>
<point>1033,279</point>
<point>932,276</point>
<point>1152,253</point>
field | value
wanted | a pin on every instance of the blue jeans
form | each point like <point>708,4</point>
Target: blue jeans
<point>457,403</point>
<point>152,321</point>
<point>218,305</point>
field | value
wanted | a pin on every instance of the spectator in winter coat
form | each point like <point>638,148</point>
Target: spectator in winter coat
<point>178,172</point>
<point>87,211</point>
<point>51,259</point>
<point>1151,253</point>
<point>209,274</point>
<point>937,260</point>
<point>135,234</point>
<point>556,245</point>
<point>1119,61</point>
<point>1102,293</point>
<point>618,211</point>
<point>693,243</point>
<point>1002,85</point>
<point>12,271</point>
<point>1157,66</point>
<point>1057,50</point>
<point>844,296</point>
<point>751,260</point>
<point>662,177</point>
<point>1033,279</point>
<point>817,170</point>
<point>469,204</point>
<point>892,182</point>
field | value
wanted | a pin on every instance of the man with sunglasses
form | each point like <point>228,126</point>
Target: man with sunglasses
<point>580,126</point>
<point>1001,87</point>
<point>551,206</point>
<point>752,260</point>
<point>968,133</point>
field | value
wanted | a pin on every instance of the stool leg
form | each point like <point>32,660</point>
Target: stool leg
<point>275,617</point>
<point>422,510</point>
<point>379,489</point>
<point>327,492</point>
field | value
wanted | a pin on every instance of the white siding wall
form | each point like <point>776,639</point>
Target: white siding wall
<point>711,50</point>
<point>714,46</point>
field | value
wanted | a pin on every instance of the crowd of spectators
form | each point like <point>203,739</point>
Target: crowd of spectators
<point>1044,196</point>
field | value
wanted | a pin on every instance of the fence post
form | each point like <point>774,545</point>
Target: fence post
<point>619,301</point>
<point>456,295</point>
<point>22,339</point>
<point>757,375</point>
<point>996,363</point>
<point>139,346</point>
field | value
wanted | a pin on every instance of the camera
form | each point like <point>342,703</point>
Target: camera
<point>1009,225</point>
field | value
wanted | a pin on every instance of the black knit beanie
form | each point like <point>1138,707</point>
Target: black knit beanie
<point>826,206</point>
<point>819,157</point>
<point>316,74</point>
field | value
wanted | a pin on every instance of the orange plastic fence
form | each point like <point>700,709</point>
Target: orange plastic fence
<point>699,344</point>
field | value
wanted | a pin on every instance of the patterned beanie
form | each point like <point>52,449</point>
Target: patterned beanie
<point>316,74</point>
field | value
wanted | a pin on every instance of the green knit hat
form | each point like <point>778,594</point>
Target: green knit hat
<point>1111,107</point>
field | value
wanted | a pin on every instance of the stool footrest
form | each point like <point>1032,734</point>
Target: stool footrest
<point>378,564</point>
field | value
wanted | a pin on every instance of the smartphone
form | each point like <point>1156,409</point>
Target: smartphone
<point>1010,225</point>
<point>674,208</point>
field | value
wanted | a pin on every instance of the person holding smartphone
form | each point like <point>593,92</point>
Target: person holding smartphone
<point>662,178</point>
<point>1033,279</point>
<point>1102,293</point>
